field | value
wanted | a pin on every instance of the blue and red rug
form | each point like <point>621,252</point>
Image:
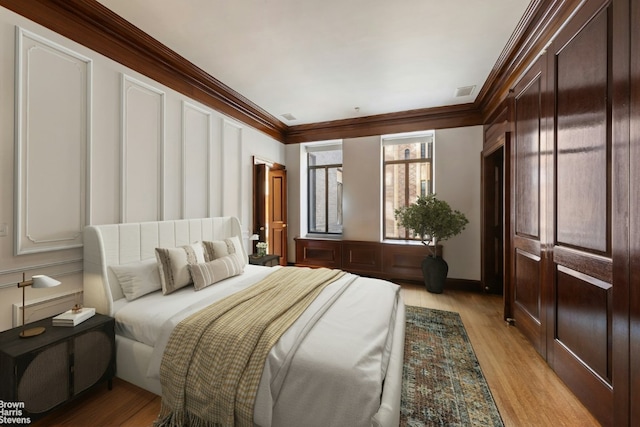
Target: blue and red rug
<point>442,383</point>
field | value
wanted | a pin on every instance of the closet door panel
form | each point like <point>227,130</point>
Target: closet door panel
<point>582,143</point>
<point>525,293</point>
<point>582,323</point>
<point>634,233</point>
<point>580,344</point>
<point>527,155</point>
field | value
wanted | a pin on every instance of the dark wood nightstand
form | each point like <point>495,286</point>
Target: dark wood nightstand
<point>266,260</point>
<point>45,371</point>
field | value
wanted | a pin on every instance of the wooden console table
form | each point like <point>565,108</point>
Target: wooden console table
<point>385,260</point>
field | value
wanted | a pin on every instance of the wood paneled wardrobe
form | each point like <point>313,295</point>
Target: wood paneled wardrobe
<point>574,229</point>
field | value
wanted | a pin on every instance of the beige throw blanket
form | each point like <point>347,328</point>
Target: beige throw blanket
<point>214,359</point>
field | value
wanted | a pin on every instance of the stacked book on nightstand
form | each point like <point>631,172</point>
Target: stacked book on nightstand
<point>73,317</point>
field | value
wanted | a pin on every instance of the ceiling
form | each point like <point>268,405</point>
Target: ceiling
<point>326,60</point>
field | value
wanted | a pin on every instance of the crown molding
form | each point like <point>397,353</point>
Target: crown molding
<point>93,25</point>
<point>98,28</point>
<point>539,24</point>
<point>405,121</point>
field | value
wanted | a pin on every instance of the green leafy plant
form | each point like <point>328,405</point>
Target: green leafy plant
<point>432,220</point>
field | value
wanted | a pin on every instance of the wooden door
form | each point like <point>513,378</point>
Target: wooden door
<point>259,202</point>
<point>629,299</point>
<point>579,216</point>
<point>526,293</point>
<point>492,269</point>
<point>277,213</point>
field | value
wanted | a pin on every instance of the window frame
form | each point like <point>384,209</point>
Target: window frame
<point>426,138</point>
<point>311,194</point>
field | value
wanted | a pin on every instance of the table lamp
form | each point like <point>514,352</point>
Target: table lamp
<point>37,281</point>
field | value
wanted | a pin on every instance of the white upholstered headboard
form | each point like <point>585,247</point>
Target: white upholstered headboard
<point>114,244</point>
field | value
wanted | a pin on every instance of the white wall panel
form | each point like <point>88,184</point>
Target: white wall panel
<point>231,169</point>
<point>142,151</point>
<point>196,140</point>
<point>53,100</point>
<point>215,160</point>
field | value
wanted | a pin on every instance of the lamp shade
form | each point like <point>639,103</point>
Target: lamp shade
<point>42,281</point>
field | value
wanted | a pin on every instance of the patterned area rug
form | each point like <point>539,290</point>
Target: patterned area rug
<point>442,383</point>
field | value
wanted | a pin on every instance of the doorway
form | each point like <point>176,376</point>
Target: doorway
<point>493,221</point>
<point>270,207</point>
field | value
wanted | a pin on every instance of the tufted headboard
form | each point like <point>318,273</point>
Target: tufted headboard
<point>114,244</point>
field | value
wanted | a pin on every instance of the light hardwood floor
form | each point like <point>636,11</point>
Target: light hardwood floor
<point>526,390</point>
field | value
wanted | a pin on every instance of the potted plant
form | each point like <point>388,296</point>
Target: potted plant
<point>433,221</point>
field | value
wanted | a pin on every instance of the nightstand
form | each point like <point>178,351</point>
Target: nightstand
<point>44,371</point>
<point>266,260</point>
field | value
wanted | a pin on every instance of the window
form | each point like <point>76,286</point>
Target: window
<point>408,173</point>
<point>325,189</point>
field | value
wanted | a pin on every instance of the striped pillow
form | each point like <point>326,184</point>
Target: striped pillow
<point>208,273</point>
<point>173,265</point>
<point>219,248</point>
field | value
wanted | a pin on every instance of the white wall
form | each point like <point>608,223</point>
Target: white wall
<point>228,154</point>
<point>296,185</point>
<point>361,189</point>
<point>457,180</point>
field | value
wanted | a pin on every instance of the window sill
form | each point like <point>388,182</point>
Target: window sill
<point>403,242</point>
<point>322,236</point>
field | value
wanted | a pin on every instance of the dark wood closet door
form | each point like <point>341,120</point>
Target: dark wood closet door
<point>579,334</point>
<point>526,293</point>
<point>632,357</point>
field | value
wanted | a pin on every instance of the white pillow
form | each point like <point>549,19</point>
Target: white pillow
<point>210,272</point>
<point>173,264</point>
<point>138,278</point>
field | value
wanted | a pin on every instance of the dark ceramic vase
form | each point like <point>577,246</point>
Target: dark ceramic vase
<point>434,271</point>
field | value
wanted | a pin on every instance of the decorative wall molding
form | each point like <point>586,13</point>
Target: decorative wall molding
<point>10,277</point>
<point>95,26</point>
<point>40,308</point>
<point>142,151</point>
<point>232,152</point>
<point>53,125</point>
<point>196,167</point>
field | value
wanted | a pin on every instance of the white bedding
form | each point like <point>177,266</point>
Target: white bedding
<point>302,400</point>
<point>334,378</point>
<point>142,319</point>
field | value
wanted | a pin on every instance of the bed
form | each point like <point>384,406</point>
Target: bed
<point>345,370</point>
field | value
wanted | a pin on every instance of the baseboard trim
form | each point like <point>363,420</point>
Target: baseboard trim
<point>451,284</point>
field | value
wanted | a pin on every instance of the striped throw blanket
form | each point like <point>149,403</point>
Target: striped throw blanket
<point>214,359</point>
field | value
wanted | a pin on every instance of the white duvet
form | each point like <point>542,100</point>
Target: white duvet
<point>327,369</point>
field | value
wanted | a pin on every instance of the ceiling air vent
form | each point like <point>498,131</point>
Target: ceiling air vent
<point>464,91</point>
<point>288,116</point>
